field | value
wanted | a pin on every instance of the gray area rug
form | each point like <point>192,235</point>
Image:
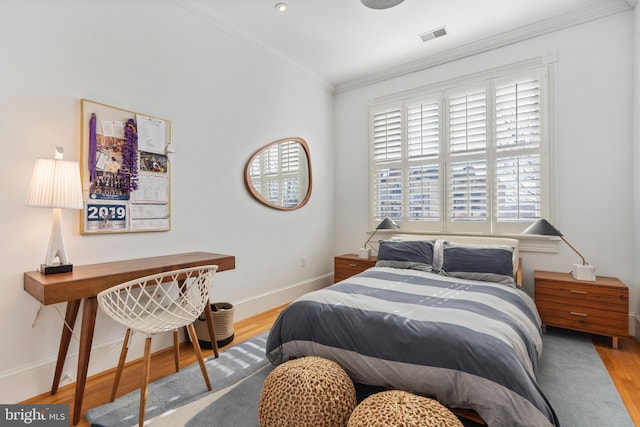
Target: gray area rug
<point>168,397</point>
<point>571,374</point>
<point>577,383</point>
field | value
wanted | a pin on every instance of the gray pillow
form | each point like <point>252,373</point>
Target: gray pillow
<point>412,254</point>
<point>488,263</point>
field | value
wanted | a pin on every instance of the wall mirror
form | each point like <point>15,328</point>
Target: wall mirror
<point>279,174</point>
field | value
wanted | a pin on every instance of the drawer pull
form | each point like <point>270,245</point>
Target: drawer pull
<point>578,314</point>
<point>573,291</point>
<point>353,265</point>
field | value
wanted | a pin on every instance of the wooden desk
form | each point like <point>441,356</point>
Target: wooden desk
<point>84,284</point>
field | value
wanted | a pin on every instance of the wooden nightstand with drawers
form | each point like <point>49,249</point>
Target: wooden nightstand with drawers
<point>345,266</point>
<point>600,307</point>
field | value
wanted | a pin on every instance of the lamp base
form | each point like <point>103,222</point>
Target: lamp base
<point>56,268</point>
<point>364,253</point>
<point>584,272</point>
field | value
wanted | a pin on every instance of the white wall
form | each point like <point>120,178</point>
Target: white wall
<point>225,100</point>
<point>593,145</point>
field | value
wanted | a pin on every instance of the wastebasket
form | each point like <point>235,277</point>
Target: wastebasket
<point>222,325</point>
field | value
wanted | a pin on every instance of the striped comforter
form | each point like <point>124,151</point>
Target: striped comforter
<point>468,344</point>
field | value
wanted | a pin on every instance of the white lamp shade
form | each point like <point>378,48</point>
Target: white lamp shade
<point>55,184</point>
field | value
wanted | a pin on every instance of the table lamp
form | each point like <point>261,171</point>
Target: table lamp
<point>582,271</point>
<point>55,183</point>
<point>386,224</point>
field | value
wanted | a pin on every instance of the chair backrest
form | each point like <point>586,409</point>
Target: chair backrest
<point>160,302</point>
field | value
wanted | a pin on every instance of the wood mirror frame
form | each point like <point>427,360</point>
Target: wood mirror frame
<point>254,173</point>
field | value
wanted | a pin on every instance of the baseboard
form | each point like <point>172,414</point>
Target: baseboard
<point>35,379</point>
<point>261,303</point>
<point>634,325</point>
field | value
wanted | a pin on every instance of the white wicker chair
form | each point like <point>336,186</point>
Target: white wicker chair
<point>159,303</point>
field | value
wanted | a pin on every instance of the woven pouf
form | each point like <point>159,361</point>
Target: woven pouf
<point>401,409</point>
<point>307,392</point>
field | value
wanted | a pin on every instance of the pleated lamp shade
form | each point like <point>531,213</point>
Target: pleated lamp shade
<point>55,184</point>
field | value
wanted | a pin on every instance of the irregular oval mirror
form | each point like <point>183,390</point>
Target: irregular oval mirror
<point>279,174</point>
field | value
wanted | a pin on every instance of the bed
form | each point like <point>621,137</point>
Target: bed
<point>438,317</point>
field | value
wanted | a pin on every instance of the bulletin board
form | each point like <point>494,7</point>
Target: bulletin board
<point>125,169</point>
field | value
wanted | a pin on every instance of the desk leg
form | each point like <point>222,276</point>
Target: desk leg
<point>212,333</point>
<point>70,319</point>
<point>89,311</point>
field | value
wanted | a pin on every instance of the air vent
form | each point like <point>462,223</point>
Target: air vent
<point>433,34</point>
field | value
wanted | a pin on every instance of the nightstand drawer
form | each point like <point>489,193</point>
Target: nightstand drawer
<point>583,295</point>
<point>586,319</point>
<point>347,265</point>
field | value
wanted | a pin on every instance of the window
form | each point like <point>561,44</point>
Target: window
<point>464,156</point>
<point>276,172</point>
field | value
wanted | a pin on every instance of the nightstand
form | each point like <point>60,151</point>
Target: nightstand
<point>600,307</point>
<point>345,266</point>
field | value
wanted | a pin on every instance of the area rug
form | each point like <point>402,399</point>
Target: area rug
<point>571,374</point>
<point>577,384</point>
<point>168,398</point>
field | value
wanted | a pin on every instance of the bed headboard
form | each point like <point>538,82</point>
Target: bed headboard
<point>464,240</point>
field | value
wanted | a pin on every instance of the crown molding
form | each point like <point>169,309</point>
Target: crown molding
<point>567,20</point>
<point>200,9</point>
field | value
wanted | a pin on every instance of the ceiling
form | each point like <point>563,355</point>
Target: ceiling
<point>344,44</point>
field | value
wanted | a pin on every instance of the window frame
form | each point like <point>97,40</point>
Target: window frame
<point>544,67</point>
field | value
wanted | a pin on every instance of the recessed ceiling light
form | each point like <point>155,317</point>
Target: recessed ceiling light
<point>281,7</point>
<point>381,4</point>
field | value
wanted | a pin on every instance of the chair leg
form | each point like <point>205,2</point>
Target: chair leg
<point>208,314</point>
<point>123,357</point>
<point>145,379</point>
<point>176,349</point>
<point>198,351</point>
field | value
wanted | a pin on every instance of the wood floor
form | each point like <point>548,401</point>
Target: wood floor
<point>623,365</point>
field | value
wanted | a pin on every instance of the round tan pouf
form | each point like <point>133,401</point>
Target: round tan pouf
<point>307,392</point>
<point>401,409</point>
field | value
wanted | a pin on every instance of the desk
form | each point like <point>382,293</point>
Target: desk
<point>84,284</point>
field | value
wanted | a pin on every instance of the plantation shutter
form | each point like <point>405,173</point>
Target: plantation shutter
<point>423,145</point>
<point>290,173</point>
<point>518,143</point>
<point>463,157</point>
<point>467,173</point>
<point>277,174</point>
<point>387,156</point>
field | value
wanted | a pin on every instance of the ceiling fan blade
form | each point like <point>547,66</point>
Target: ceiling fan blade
<point>381,4</point>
